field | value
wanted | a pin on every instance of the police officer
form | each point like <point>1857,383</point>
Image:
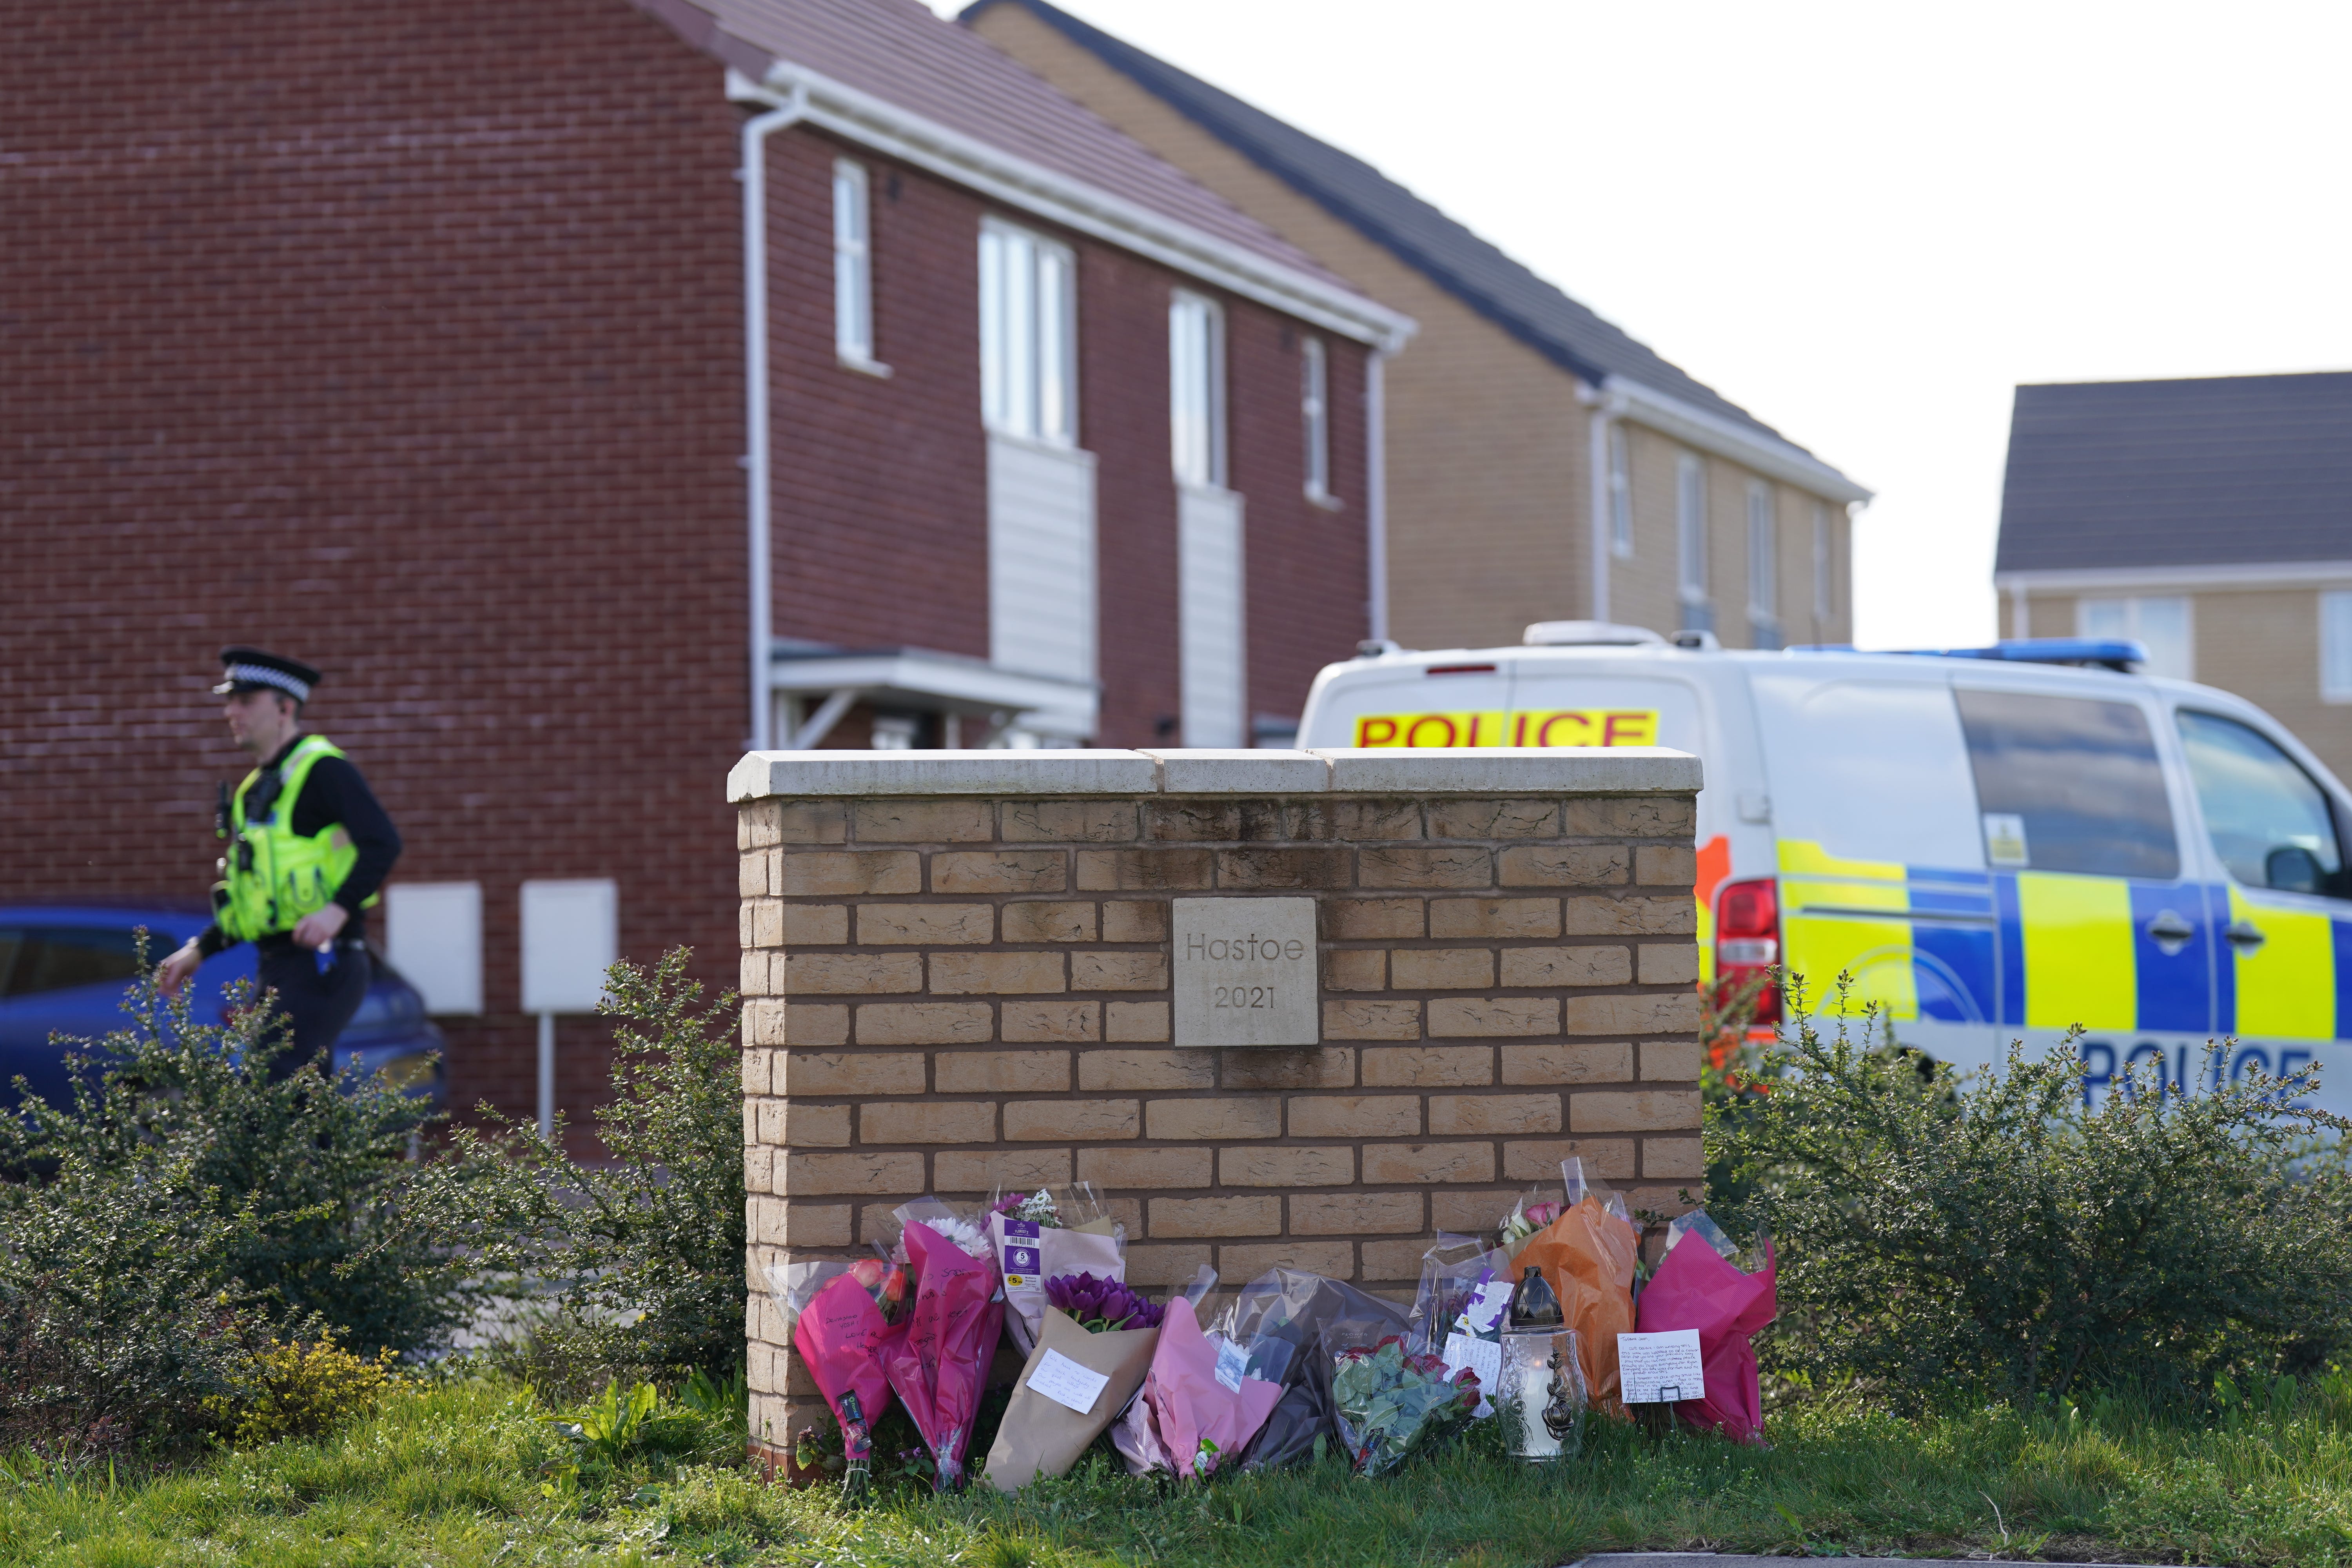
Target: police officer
<point>308,848</point>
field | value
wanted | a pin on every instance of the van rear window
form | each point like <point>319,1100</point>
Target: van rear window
<point>2069,784</point>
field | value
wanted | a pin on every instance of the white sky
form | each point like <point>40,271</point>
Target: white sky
<point>1864,221</point>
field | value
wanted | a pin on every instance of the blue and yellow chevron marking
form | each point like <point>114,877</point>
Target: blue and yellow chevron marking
<point>2046,949</point>
<point>1818,947</point>
<point>2287,989</point>
<point>2079,963</point>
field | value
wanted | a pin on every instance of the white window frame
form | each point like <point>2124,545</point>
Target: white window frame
<point>2336,649</point>
<point>1196,389</point>
<point>853,267</point>
<point>1824,566</point>
<point>1690,529</point>
<point>2131,604</point>
<point>1620,492</point>
<point>1763,555</point>
<point>1315,417</point>
<point>1028,335</point>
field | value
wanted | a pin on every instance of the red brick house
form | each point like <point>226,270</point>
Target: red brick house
<point>444,346</point>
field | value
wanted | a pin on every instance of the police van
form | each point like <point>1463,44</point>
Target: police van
<point>1995,843</point>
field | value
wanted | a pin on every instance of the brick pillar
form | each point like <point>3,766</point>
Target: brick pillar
<point>956,972</point>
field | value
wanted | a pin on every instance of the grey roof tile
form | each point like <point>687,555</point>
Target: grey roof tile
<point>899,51</point>
<point>2222,470</point>
<point>1474,271</point>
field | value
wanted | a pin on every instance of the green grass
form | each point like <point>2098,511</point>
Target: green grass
<point>458,1475</point>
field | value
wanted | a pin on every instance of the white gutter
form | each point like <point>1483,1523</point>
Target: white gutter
<point>1607,409</point>
<point>1766,455</point>
<point>1016,182</point>
<point>2218,575</point>
<point>1376,493</point>
<point>757,462</point>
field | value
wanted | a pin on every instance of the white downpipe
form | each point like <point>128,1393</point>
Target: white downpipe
<point>1599,420</point>
<point>1376,493</point>
<point>757,463</point>
<point>1607,409</point>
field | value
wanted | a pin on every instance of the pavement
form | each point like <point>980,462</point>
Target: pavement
<point>1731,1560</point>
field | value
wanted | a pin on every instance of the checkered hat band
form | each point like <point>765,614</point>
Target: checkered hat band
<point>262,675</point>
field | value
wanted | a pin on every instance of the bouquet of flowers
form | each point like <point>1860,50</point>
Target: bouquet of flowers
<point>1042,1234</point>
<point>1390,1404</point>
<point>1100,1306</point>
<point>963,1227</point>
<point>1451,1273</point>
<point>1094,1346</point>
<point>1281,1320</point>
<point>840,1335</point>
<point>939,1357</point>
<point>1588,1256</point>
<point>1709,1283</point>
<point>1528,1216</point>
<point>1198,1403</point>
<point>1036,1208</point>
<point>884,1281</point>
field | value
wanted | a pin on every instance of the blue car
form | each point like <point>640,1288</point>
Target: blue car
<point>64,969</point>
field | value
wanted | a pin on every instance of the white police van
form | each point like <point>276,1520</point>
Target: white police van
<point>1996,843</point>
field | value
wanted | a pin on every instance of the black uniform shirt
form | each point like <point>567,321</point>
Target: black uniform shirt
<point>335,795</point>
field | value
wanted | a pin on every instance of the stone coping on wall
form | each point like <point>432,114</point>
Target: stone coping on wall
<point>1376,770</point>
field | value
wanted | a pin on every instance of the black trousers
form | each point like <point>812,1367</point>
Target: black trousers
<point>315,1006</point>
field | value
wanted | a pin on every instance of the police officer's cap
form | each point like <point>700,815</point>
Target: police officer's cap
<point>250,669</point>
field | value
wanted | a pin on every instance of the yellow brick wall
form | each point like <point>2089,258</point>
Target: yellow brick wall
<point>942,994</point>
<point>1490,508</point>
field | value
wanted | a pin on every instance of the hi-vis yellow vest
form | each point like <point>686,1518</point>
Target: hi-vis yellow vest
<point>275,876</point>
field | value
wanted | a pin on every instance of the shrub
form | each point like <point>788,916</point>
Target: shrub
<point>302,1390</point>
<point>115,1323</point>
<point>1997,1236</point>
<point>643,1257</point>
<point>186,1205</point>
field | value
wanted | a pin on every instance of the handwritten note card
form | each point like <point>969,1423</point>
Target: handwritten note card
<point>1065,1383</point>
<point>1659,1369</point>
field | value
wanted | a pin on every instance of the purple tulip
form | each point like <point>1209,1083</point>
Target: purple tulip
<point>1101,1305</point>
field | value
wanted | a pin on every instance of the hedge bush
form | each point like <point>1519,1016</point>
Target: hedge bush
<point>1942,1236</point>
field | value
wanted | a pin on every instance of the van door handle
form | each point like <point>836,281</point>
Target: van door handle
<point>2244,935</point>
<point>2171,932</point>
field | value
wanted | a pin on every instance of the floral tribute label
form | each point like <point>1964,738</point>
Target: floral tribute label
<point>1246,973</point>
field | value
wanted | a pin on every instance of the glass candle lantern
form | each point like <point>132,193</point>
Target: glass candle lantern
<point>1542,1394</point>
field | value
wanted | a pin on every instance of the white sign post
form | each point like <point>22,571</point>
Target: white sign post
<point>570,936</point>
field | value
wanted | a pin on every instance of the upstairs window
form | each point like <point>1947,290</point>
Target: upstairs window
<point>1196,391</point>
<point>1763,561</point>
<point>1620,494</point>
<point>1315,416</point>
<point>1028,362</point>
<point>2336,647</point>
<point>1690,538</point>
<point>2161,623</point>
<point>853,267</point>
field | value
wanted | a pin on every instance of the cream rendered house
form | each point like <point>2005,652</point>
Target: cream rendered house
<point>1540,464</point>
<point>2210,519</point>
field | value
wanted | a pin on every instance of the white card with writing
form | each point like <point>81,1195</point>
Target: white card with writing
<point>1068,1383</point>
<point>1233,1365</point>
<point>1483,1357</point>
<point>1659,1369</point>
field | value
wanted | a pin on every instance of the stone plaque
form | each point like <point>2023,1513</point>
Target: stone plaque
<point>1246,973</point>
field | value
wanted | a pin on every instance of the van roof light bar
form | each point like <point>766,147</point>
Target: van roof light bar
<point>2119,654</point>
